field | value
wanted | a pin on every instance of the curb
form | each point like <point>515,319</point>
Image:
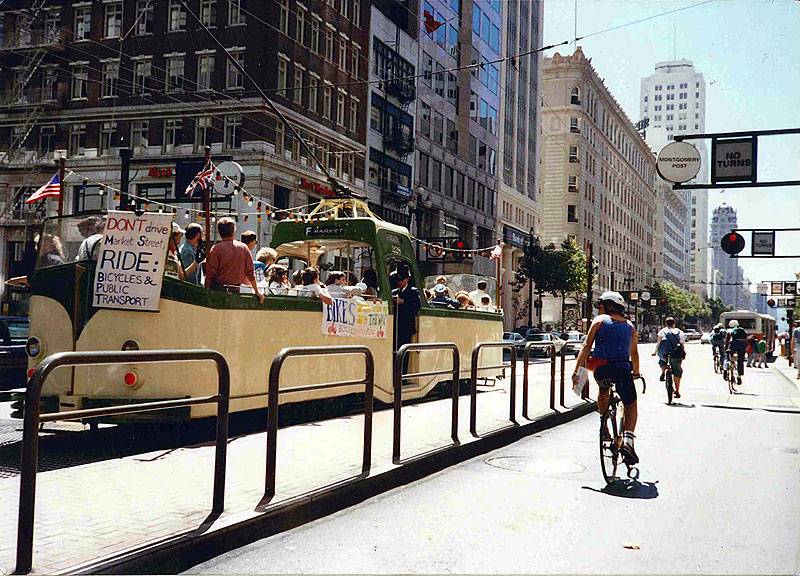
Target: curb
<point>791,380</point>
<point>182,551</point>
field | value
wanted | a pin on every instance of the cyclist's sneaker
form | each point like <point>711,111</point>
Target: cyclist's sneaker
<point>677,394</point>
<point>662,377</point>
<point>739,380</point>
<point>628,453</point>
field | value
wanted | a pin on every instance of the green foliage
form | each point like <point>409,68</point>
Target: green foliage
<point>716,307</point>
<point>571,274</point>
<point>539,264</point>
<point>681,304</point>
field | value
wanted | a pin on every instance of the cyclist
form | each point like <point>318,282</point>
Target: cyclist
<point>617,358</point>
<point>736,341</point>
<point>671,341</point>
<point>718,341</point>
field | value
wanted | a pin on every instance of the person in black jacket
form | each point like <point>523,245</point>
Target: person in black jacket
<point>407,304</point>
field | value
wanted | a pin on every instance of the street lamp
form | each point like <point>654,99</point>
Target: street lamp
<point>418,204</point>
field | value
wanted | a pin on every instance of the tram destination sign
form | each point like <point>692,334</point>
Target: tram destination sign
<point>131,259</point>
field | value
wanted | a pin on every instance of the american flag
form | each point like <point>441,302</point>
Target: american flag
<point>202,180</point>
<point>497,253</point>
<point>50,190</point>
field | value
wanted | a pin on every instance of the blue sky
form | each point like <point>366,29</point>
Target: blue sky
<point>748,51</point>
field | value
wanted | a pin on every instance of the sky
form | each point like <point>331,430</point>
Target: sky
<point>748,52</point>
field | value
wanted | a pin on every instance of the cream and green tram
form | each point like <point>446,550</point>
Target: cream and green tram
<point>248,334</point>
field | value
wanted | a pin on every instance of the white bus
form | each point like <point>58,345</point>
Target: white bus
<point>759,325</point>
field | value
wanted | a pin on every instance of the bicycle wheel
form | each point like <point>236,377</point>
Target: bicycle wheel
<point>609,452</point>
<point>668,382</point>
<point>717,364</point>
<point>732,374</point>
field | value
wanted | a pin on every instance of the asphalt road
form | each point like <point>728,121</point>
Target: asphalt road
<point>718,493</point>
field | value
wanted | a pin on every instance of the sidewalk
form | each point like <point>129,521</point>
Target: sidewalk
<point>781,366</point>
<point>98,511</point>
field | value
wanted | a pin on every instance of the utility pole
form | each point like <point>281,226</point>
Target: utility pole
<point>124,178</point>
<point>62,165</point>
<point>589,282</point>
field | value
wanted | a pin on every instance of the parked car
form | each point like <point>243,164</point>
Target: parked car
<point>544,338</point>
<point>13,359</point>
<point>574,343</point>
<point>517,339</point>
<point>692,335</point>
<point>705,338</point>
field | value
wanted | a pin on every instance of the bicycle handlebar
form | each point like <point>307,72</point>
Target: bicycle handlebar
<point>644,383</point>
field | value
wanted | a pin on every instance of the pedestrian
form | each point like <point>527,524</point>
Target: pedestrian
<point>229,263</point>
<point>761,353</point>
<point>750,350</point>
<point>172,265</point>
<point>191,252</point>
<point>407,303</point>
<point>794,346</point>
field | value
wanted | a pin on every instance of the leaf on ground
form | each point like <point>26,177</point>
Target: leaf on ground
<point>631,546</point>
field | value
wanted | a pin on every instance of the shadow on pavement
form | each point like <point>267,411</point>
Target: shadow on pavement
<point>629,489</point>
<point>681,405</point>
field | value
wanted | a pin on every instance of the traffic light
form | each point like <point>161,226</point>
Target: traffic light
<point>458,246</point>
<point>662,301</point>
<point>771,303</point>
<point>732,243</point>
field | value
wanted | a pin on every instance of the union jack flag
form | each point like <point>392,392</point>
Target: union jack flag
<point>50,190</point>
<point>202,180</point>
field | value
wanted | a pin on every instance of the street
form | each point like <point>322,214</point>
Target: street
<point>718,493</point>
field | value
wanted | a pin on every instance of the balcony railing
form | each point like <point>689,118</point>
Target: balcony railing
<point>44,39</point>
<point>29,97</point>
<point>401,89</point>
<point>400,141</point>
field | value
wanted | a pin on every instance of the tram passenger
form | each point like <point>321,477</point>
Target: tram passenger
<point>51,252</point>
<point>91,228</point>
<point>172,265</point>
<point>268,256</point>
<point>250,239</point>
<point>463,298</point>
<point>442,281</point>
<point>407,304</point>
<point>229,263</point>
<point>477,295</point>
<point>337,286</point>
<point>441,298</point>
<point>297,278</point>
<point>191,252</point>
<point>312,288</point>
<point>278,280</point>
<point>370,279</point>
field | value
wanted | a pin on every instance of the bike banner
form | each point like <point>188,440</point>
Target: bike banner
<point>355,317</point>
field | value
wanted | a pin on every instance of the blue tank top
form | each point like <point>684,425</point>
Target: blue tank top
<point>613,340</point>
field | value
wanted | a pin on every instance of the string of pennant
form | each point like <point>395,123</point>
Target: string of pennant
<point>436,247</point>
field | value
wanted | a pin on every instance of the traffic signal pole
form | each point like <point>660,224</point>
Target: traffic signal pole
<point>589,282</point>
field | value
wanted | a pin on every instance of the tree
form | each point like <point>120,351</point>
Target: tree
<point>538,265</point>
<point>570,272</point>
<point>716,307</point>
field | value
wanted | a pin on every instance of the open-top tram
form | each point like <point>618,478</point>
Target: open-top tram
<point>247,333</point>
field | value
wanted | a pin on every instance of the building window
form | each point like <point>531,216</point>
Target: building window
<point>297,94</point>
<point>425,120</point>
<point>573,155</point>
<point>208,12</point>
<point>343,54</point>
<point>354,56</point>
<point>233,129</point>
<point>205,71</point>
<point>110,79</point>
<point>315,34</point>
<point>575,96</point>
<point>77,139</point>
<point>139,140</point>
<point>142,70</point>
<point>145,10</point>
<point>113,27</point>
<point>80,82</point>
<point>356,13</point>
<point>438,128</point>
<point>300,25</point>
<point>108,136</point>
<point>573,184</point>
<point>47,138</point>
<point>329,32</point>
<point>235,15</point>
<point>340,117</point>
<point>344,8</point>
<point>234,79</point>
<point>327,102</point>
<point>284,21</point>
<point>172,134</point>
<point>202,132</point>
<point>177,17</point>
<point>175,74</point>
<point>312,92</point>
<point>282,76</point>
<point>572,215</point>
<point>573,126</point>
<point>354,115</point>
<point>83,23</point>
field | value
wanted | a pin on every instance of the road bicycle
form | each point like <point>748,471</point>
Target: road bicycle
<point>731,375</point>
<point>610,443</point>
<point>668,379</point>
<point>718,363</point>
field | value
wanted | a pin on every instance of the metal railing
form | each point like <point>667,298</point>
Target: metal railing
<point>33,417</point>
<point>473,404</point>
<point>526,357</point>
<point>272,403</point>
<point>399,376</point>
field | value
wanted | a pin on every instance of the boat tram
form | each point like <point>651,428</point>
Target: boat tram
<point>247,333</point>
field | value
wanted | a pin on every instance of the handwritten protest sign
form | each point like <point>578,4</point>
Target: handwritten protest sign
<point>130,265</point>
<point>355,317</point>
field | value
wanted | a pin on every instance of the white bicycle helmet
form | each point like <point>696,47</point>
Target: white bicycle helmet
<point>733,324</point>
<point>614,297</point>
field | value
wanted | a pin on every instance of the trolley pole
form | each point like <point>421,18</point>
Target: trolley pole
<point>207,200</point>
<point>124,178</point>
<point>62,165</point>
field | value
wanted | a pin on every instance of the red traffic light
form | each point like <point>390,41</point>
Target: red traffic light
<point>771,303</point>
<point>732,243</point>
<point>459,245</point>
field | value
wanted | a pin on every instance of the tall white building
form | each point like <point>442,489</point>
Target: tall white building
<point>731,287</point>
<point>674,100</point>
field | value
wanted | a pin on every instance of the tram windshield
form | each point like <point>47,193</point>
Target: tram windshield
<point>356,259</point>
<point>65,240</point>
<point>464,282</point>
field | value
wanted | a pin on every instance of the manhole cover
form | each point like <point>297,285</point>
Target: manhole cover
<point>543,465</point>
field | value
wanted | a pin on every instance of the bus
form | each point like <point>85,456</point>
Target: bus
<point>755,324</point>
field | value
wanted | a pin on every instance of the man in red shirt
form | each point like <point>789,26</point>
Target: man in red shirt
<point>229,263</point>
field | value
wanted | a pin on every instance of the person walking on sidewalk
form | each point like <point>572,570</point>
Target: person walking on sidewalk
<point>761,353</point>
<point>617,358</point>
<point>794,346</point>
<point>671,342</point>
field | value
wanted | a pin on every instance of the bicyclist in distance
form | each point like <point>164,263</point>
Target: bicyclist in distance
<point>736,341</point>
<point>671,340</point>
<point>617,359</point>
<point>718,341</point>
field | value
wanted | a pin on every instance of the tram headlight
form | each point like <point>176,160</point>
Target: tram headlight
<point>130,345</point>
<point>33,347</point>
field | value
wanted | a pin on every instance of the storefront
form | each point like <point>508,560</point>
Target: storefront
<point>514,298</point>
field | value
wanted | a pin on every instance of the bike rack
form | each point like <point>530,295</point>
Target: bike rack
<point>398,378</point>
<point>33,417</point>
<point>272,403</point>
<point>526,355</point>
<point>563,366</point>
<point>473,405</point>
